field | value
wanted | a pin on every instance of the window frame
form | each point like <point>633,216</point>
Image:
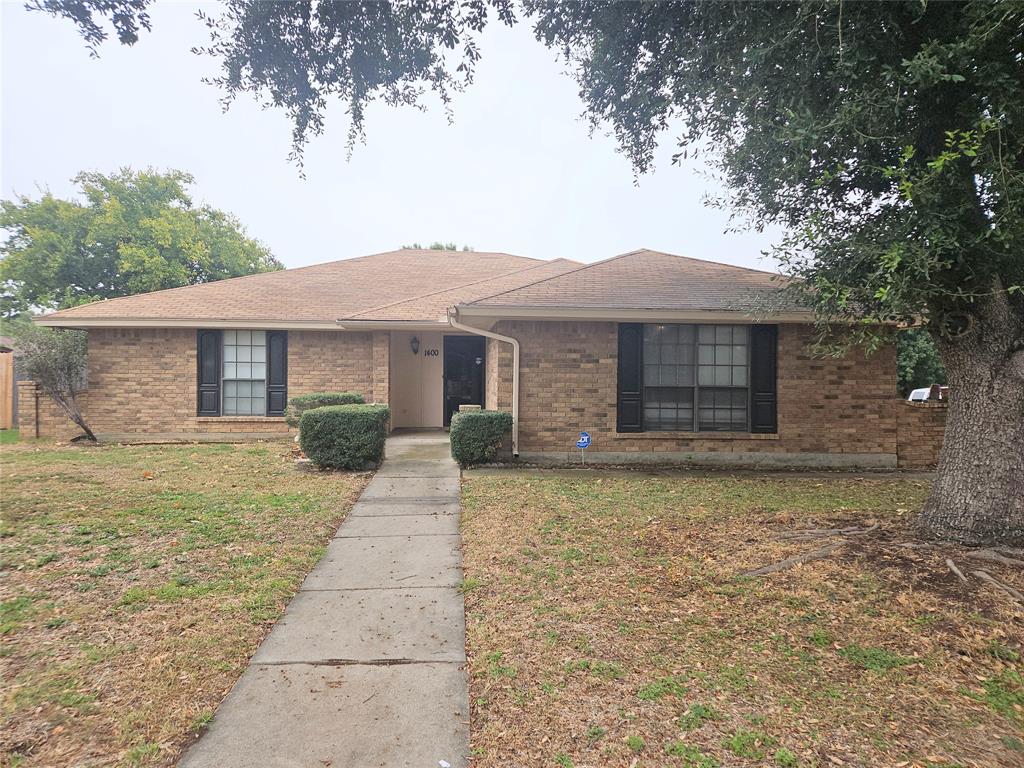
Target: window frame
<point>224,380</point>
<point>695,387</point>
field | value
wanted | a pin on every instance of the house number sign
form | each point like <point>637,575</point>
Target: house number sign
<point>431,352</point>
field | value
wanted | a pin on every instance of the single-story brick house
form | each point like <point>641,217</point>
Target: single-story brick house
<point>654,355</point>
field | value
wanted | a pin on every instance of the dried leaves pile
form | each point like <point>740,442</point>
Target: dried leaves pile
<point>618,621</point>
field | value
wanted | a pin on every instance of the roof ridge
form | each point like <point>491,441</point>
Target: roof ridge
<point>542,263</point>
<point>564,274</point>
<point>280,271</point>
<point>622,256</point>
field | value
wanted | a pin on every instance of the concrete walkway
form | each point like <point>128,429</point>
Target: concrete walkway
<point>365,668</point>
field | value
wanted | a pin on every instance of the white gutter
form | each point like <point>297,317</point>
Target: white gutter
<point>452,314</point>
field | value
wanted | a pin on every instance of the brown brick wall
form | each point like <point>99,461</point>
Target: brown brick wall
<point>143,382</point>
<point>826,406</point>
<point>922,427</point>
<point>498,376</point>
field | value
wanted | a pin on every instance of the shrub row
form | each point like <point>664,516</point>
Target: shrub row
<point>299,404</point>
<point>344,436</point>
<point>476,435</point>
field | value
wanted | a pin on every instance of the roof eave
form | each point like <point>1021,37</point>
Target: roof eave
<point>627,314</point>
<point>53,321</point>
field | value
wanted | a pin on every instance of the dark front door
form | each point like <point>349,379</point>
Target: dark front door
<point>463,373</point>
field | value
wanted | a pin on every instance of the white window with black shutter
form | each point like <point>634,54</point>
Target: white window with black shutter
<point>242,372</point>
<point>696,378</point>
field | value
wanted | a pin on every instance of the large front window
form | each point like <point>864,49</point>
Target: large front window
<point>245,373</point>
<point>696,377</point>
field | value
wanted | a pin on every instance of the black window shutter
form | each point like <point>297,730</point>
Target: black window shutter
<point>277,372</point>
<point>629,407</point>
<point>208,351</point>
<point>763,370</point>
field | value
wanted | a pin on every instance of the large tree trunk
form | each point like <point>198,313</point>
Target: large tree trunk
<point>978,493</point>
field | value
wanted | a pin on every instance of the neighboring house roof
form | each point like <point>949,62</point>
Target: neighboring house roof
<point>325,293</point>
<point>645,280</point>
<point>411,287</point>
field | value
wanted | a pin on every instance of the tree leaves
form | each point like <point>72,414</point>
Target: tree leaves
<point>131,232</point>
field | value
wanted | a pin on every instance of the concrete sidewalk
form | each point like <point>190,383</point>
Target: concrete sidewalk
<point>365,668</point>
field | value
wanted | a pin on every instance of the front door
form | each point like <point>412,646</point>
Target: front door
<point>463,373</point>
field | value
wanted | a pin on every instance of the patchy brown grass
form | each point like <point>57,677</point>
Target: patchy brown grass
<point>136,583</point>
<point>608,626</point>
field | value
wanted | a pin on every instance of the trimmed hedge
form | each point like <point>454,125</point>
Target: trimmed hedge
<point>476,435</point>
<point>344,436</point>
<point>299,404</point>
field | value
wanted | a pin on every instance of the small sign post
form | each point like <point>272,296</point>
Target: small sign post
<point>583,443</point>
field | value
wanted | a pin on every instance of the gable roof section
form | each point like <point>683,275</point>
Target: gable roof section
<point>435,305</point>
<point>324,293</point>
<point>643,280</point>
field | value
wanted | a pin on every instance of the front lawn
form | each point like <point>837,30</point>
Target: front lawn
<point>609,624</point>
<point>136,583</point>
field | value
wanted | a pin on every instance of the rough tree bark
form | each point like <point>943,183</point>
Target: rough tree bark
<point>978,493</point>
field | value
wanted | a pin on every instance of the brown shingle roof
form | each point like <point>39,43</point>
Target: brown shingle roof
<point>645,280</point>
<point>327,292</point>
<point>435,305</point>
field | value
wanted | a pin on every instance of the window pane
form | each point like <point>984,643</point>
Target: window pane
<point>706,334</point>
<point>259,338</point>
<point>687,334</point>
<point>723,355</point>
<point>230,405</point>
<point>739,334</point>
<point>686,375</point>
<point>229,337</point>
<point>229,370</point>
<point>705,375</point>
<point>243,370</point>
<point>670,354</point>
<point>723,334</point>
<point>259,354</point>
<point>243,337</point>
<point>651,375</point>
<point>259,370</point>
<point>229,353</point>
<point>706,355</point>
<point>739,375</point>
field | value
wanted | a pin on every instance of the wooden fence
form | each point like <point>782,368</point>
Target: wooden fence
<point>6,390</point>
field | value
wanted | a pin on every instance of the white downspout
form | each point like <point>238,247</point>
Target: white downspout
<point>452,314</point>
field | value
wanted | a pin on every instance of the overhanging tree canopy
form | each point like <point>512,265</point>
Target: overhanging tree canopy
<point>885,137</point>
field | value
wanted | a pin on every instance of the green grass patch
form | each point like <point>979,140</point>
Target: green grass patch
<point>691,756</point>
<point>874,659</point>
<point>696,715</point>
<point>666,686</point>
<point>752,745</point>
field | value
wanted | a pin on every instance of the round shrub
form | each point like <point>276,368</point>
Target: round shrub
<point>299,404</point>
<point>344,436</point>
<point>476,435</point>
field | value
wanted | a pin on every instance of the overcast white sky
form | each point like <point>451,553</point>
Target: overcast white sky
<point>517,172</point>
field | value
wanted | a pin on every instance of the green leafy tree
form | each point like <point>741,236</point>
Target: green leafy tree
<point>886,138</point>
<point>131,232</point>
<point>55,359</point>
<point>917,361</point>
<point>437,245</point>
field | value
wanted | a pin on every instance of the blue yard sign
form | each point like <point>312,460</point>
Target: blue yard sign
<point>583,443</point>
